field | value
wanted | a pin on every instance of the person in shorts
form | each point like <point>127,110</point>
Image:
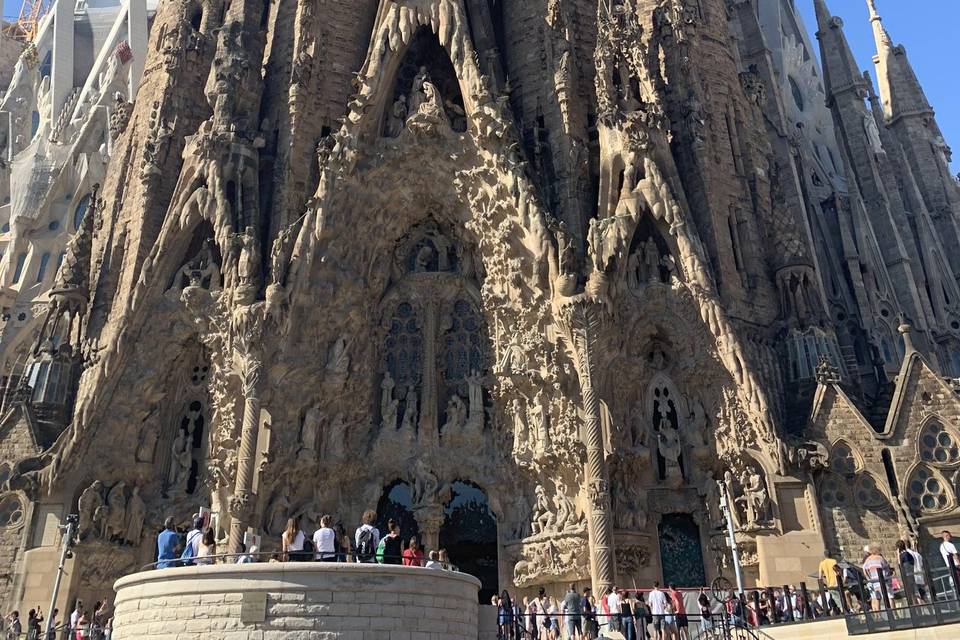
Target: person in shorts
<point>680,609</point>
<point>573,611</point>
<point>658,602</point>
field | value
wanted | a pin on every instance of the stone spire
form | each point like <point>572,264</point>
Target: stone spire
<point>840,69</point>
<point>900,90</point>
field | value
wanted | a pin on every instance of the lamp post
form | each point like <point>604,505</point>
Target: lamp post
<point>69,530</point>
<point>727,508</point>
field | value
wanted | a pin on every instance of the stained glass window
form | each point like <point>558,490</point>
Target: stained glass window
<point>405,347</point>
<point>938,445</point>
<point>926,491</point>
<point>461,346</point>
<point>867,492</point>
<point>842,461</point>
<point>834,491</point>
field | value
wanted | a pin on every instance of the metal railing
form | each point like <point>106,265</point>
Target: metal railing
<point>295,556</point>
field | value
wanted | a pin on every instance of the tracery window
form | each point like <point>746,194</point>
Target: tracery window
<point>938,445</point>
<point>462,352</point>
<point>11,511</point>
<point>834,491</point>
<point>926,491</point>
<point>843,461</point>
<point>867,493</point>
<point>405,346</point>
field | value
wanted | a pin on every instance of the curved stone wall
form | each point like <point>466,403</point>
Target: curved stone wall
<point>298,601</point>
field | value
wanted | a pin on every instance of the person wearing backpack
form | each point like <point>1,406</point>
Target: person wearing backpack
<point>392,545</point>
<point>192,547</point>
<point>367,538</point>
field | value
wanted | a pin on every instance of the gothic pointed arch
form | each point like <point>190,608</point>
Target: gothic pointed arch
<point>938,442</point>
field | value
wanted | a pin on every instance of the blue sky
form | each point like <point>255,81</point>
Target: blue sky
<point>927,28</point>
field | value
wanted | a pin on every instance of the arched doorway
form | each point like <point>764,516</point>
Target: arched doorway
<point>469,534</point>
<point>681,554</point>
<point>396,503</point>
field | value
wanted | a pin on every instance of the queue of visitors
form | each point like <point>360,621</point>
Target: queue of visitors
<point>327,544</point>
<point>81,624</point>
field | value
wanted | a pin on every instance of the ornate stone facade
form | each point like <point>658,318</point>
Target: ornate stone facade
<point>532,278</point>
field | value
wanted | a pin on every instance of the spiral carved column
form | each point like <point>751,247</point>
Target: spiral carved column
<point>241,502</point>
<point>579,321</point>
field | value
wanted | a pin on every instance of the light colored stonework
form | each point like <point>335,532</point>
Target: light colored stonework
<point>297,600</point>
<point>540,278</point>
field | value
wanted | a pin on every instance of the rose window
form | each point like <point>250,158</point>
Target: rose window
<point>927,492</point>
<point>842,460</point>
<point>938,445</point>
<point>11,511</point>
<point>834,491</point>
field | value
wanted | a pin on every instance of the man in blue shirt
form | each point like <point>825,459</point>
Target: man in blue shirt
<point>167,543</point>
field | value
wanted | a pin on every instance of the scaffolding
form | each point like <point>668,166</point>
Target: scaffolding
<point>25,27</point>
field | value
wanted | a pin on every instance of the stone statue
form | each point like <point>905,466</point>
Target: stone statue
<point>388,404</point>
<point>90,503</point>
<point>416,91</point>
<point>148,444</point>
<point>651,261</point>
<point>540,424</point>
<point>544,519</point>
<point>456,415</point>
<point>136,509</point>
<point>425,485</point>
<point>634,271</point>
<point>475,396</point>
<point>181,461</point>
<point>519,426</point>
<point>668,445</point>
<point>248,264</point>
<point>310,430</point>
<point>117,503</point>
<point>514,359</point>
<point>336,436</point>
<point>278,256</point>
<point>873,133</point>
<point>410,411</point>
<point>338,359</point>
<point>397,118</point>
<point>754,498</point>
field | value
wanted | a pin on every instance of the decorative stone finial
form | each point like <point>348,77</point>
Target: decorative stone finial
<point>827,373</point>
<point>906,330</point>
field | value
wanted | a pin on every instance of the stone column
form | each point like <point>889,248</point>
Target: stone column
<point>241,502</point>
<point>579,321</point>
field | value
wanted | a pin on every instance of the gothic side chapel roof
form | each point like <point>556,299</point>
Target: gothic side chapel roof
<point>73,277</point>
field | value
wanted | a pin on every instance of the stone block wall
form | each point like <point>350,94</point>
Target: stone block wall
<point>297,600</point>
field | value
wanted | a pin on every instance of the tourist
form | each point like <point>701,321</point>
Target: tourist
<point>572,613</point>
<point>445,560</point>
<point>207,549</point>
<point>680,609</point>
<point>100,618</point>
<point>529,619</point>
<point>367,538</point>
<point>14,627</point>
<point>670,621</point>
<point>390,549</point>
<point>52,625</point>
<point>948,550</point>
<point>192,545</point>
<point>167,543</point>
<point>505,616</point>
<point>613,605</point>
<point>553,612</point>
<point>344,547</point>
<point>627,608</point>
<point>413,555</point>
<point>912,563</point>
<point>291,542</point>
<point>434,560</point>
<point>75,617</point>
<point>325,540</point>
<point>643,617</point>
<point>876,569</point>
<point>703,604</point>
<point>658,601</point>
<point>34,620</point>
<point>830,575</point>
<point>244,557</point>
<point>79,629</point>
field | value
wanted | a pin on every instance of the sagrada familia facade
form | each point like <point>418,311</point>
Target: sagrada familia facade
<point>540,279</point>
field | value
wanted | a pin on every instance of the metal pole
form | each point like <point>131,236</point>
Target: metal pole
<point>731,534</point>
<point>67,543</point>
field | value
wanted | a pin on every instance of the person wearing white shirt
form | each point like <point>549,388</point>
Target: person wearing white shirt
<point>659,605</point>
<point>325,540</point>
<point>433,562</point>
<point>613,604</point>
<point>949,550</point>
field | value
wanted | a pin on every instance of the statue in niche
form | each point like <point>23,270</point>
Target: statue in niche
<point>475,396</point>
<point>540,427</point>
<point>669,264</point>
<point>425,485</point>
<point>873,133</point>
<point>89,505</point>
<point>338,360</point>
<point>566,513</point>
<point>310,430</point>
<point>651,261</point>
<point>117,510</point>
<point>278,255</point>
<point>397,118</point>
<point>566,250</point>
<point>424,259</point>
<point>136,509</point>
<point>416,91</point>
<point>544,520</point>
<point>514,359</point>
<point>432,104</point>
<point>666,427</point>
<point>669,448</point>
<point>279,512</point>
<point>456,415</point>
<point>201,271</point>
<point>755,498</point>
<point>337,436</point>
<point>181,460</point>
<point>410,411</point>
<point>696,423</point>
<point>388,404</point>
<point>244,247</point>
<point>634,271</point>
<point>520,434</point>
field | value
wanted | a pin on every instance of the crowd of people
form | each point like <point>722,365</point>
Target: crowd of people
<point>83,624</point>
<point>327,544</point>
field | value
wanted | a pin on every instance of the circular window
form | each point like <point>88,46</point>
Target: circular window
<point>833,491</point>
<point>926,491</point>
<point>867,492</point>
<point>54,225</point>
<point>938,445</point>
<point>11,511</point>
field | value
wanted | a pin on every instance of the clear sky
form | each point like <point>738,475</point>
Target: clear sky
<point>927,28</point>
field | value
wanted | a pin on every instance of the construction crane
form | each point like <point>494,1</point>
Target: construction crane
<point>25,27</point>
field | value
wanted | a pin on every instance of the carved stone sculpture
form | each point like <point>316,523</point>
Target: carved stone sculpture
<point>90,506</point>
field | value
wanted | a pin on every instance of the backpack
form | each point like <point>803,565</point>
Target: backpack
<point>365,548</point>
<point>381,550</point>
<point>186,558</point>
